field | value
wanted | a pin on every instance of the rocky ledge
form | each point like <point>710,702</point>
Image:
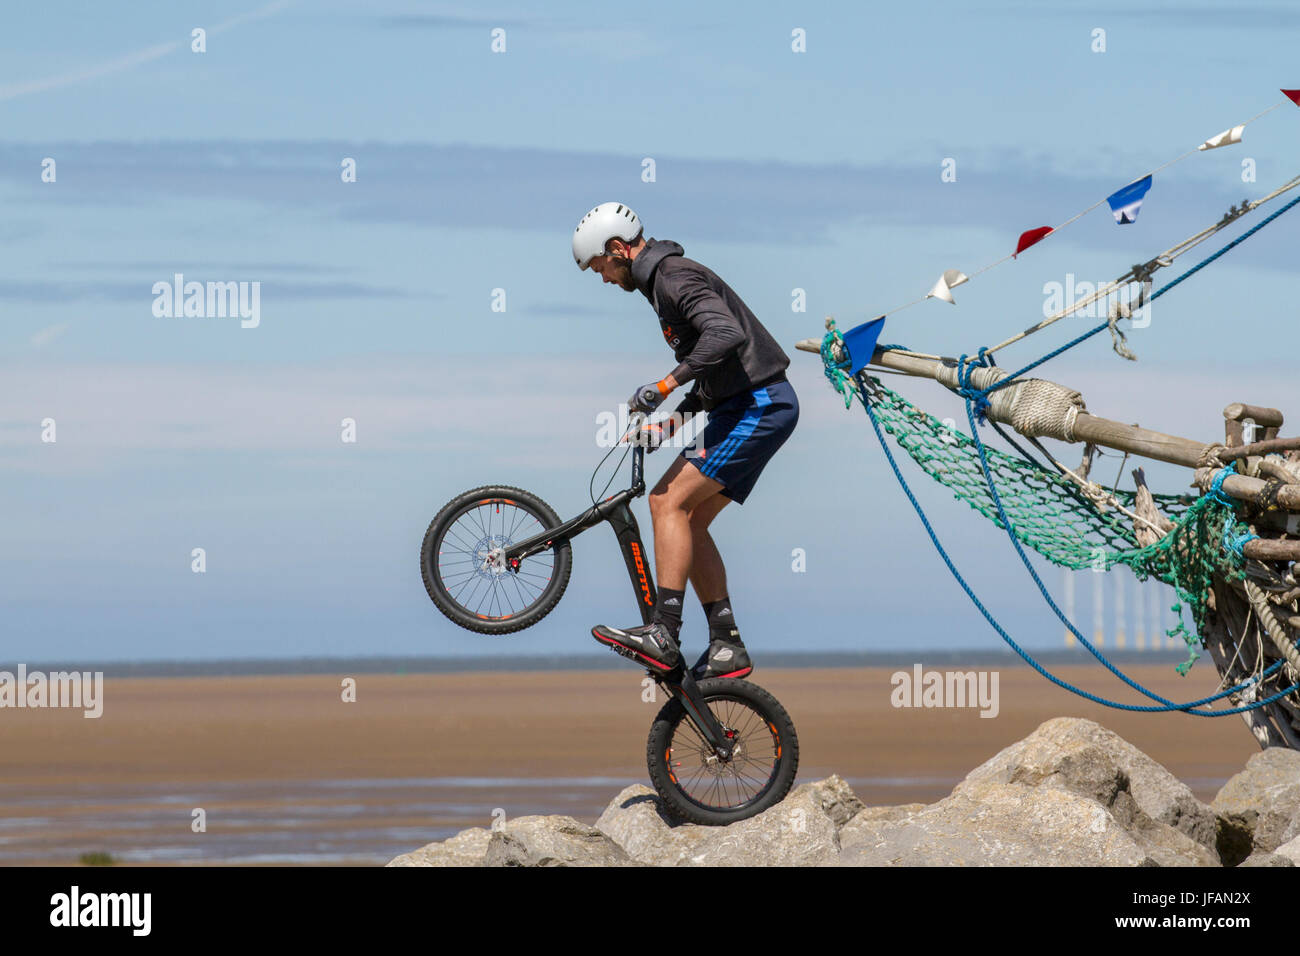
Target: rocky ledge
<point>1070,794</point>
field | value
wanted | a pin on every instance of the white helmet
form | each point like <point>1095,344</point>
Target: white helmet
<point>609,220</point>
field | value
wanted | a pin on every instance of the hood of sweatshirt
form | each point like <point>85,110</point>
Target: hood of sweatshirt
<point>645,264</point>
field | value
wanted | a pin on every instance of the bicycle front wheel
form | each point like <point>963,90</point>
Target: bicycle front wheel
<point>465,573</point>
<point>700,788</point>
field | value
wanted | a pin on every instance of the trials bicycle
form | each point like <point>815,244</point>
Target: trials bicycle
<point>497,559</point>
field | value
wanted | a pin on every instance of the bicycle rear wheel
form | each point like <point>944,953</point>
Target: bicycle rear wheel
<point>465,573</point>
<point>700,788</point>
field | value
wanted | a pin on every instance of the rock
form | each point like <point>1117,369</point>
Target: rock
<point>1289,850</point>
<point>552,841</point>
<point>1087,759</point>
<point>1070,794</point>
<point>836,799</point>
<point>999,824</point>
<point>466,848</point>
<point>637,822</point>
<point>799,831</point>
<point>1259,808</point>
<point>867,822</point>
<point>1267,859</point>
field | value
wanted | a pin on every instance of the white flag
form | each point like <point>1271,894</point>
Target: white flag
<point>1227,138</point>
<point>947,282</point>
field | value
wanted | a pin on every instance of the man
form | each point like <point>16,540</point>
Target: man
<point>738,375</point>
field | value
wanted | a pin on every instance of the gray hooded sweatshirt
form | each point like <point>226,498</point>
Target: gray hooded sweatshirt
<point>720,344</point>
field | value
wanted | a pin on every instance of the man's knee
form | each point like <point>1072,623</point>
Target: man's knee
<point>665,502</point>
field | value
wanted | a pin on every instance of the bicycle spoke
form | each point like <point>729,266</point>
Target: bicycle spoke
<point>732,784</point>
<point>470,567</point>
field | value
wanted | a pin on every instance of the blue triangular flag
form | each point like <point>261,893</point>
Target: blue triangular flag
<point>1126,202</point>
<point>861,343</point>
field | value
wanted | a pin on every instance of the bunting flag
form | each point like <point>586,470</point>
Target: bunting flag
<point>861,342</point>
<point>947,282</point>
<point>1029,237</point>
<point>1126,202</point>
<point>1228,137</point>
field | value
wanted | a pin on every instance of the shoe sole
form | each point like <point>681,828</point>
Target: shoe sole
<point>741,674</point>
<point>631,652</point>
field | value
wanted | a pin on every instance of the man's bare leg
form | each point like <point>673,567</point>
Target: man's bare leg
<point>674,497</point>
<point>708,574</point>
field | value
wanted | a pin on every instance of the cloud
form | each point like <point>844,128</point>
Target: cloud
<point>45,336</point>
<point>127,61</point>
<point>736,200</point>
<point>1252,17</point>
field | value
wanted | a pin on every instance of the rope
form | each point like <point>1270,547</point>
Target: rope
<point>1188,707</point>
<point>977,404</point>
<point>981,396</point>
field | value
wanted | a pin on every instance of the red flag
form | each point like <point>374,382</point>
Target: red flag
<point>1293,96</point>
<point>1030,237</point>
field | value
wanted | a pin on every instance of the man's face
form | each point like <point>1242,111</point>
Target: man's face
<point>615,267</point>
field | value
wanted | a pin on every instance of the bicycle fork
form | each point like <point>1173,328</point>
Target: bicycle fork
<point>686,690</point>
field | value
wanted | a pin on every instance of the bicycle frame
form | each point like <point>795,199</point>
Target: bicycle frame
<point>615,510</point>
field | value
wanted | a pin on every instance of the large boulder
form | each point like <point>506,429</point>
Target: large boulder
<point>1087,759</point>
<point>989,823</point>
<point>466,848</point>
<point>1259,808</point>
<point>523,841</point>
<point>799,831</point>
<point>552,841</point>
<point>998,824</point>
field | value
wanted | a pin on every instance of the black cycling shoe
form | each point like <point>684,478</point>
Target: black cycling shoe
<point>723,659</point>
<point>650,644</point>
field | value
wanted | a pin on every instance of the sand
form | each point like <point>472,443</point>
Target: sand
<point>286,770</point>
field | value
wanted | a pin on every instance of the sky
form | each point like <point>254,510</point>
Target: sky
<point>818,170</point>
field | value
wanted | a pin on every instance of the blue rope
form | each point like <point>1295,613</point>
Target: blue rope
<point>1027,658</point>
<point>977,404</point>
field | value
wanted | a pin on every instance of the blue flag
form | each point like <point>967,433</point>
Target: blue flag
<point>861,342</point>
<point>1126,202</point>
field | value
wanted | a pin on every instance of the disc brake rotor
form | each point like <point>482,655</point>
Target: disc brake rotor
<point>490,555</point>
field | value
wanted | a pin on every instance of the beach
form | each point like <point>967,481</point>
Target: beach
<point>285,771</point>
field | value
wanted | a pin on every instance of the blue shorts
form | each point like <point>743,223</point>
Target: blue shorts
<point>742,434</point>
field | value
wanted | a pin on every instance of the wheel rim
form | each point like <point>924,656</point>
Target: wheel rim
<point>470,566</point>
<point>734,784</point>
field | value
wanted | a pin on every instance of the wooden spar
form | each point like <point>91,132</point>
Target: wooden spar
<point>1271,549</point>
<point>1090,428</point>
<point>1249,489</point>
<point>1240,412</point>
<point>1087,428</point>
<point>1138,441</point>
<point>1260,448</point>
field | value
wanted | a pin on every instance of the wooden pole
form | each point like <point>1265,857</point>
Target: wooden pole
<point>1260,448</point>
<point>1091,428</point>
